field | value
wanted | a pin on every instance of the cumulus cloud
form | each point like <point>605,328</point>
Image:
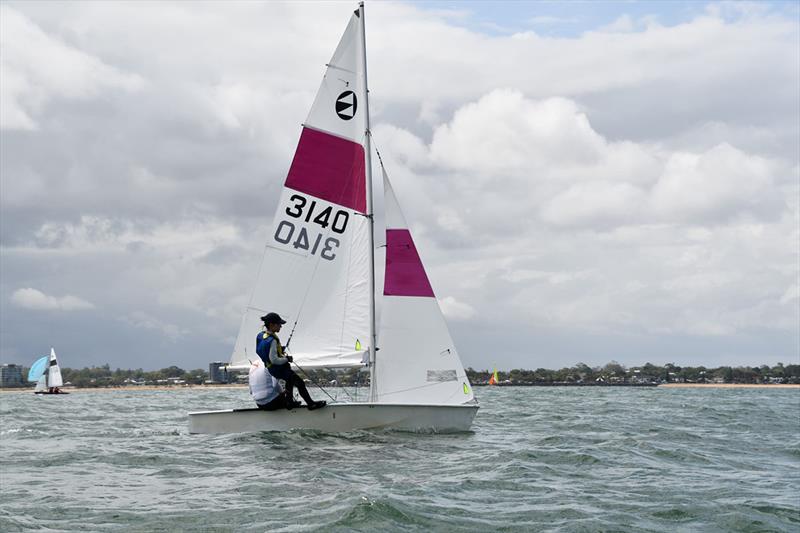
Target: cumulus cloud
<point>36,300</point>
<point>594,204</point>
<point>665,238</point>
<point>504,132</point>
<point>522,157</point>
<point>719,182</point>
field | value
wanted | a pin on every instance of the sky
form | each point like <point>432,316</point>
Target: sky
<point>585,181</point>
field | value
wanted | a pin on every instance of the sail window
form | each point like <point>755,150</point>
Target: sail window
<point>442,375</point>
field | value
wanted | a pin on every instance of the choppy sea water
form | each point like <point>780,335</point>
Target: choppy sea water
<point>537,459</point>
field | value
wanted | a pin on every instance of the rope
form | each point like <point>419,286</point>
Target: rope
<point>312,380</point>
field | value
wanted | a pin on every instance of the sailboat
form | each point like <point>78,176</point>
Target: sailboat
<point>318,272</point>
<point>47,375</point>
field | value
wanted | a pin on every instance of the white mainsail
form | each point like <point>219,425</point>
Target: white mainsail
<point>417,362</point>
<point>315,268</point>
<point>54,372</point>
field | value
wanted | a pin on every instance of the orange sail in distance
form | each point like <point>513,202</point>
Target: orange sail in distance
<point>493,378</point>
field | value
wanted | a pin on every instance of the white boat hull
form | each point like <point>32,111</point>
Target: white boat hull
<point>338,418</point>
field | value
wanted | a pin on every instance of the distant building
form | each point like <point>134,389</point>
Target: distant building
<point>218,372</point>
<point>11,376</point>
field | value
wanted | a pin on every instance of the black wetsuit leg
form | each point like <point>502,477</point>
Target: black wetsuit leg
<point>292,380</point>
<point>301,388</point>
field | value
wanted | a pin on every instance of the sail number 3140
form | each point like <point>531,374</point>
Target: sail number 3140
<point>287,233</point>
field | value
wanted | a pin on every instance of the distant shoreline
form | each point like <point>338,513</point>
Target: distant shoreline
<point>731,385</point>
<point>130,388</point>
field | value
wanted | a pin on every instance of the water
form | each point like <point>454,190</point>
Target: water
<point>538,459</point>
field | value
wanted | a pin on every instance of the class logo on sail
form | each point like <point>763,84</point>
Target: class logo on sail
<point>346,105</point>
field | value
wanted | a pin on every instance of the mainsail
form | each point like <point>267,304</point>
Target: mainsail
<point>315,269</point>
<point>54,372</point>
<point>417,362</point>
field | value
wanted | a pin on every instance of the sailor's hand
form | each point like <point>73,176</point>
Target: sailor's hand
<point>289,358</point>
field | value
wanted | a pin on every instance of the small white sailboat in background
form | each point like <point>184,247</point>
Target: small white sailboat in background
<point>47,375</point>
<point>318,272</point>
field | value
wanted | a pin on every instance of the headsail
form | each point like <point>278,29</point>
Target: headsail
<point>316,263</point>
<point>54,372</point>
<point>417,362</point>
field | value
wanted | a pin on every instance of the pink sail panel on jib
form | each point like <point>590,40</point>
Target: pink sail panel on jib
<point>405,275</point>
<point>330,168</point>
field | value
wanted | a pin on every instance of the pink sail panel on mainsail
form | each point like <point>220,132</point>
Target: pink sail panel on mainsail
<point>330,168</point>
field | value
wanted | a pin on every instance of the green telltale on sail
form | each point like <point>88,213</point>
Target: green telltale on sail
<point>358,345</point>
<point>466,388</point>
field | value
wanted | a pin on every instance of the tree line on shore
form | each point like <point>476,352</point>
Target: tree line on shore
<point>616,373</point>
<point>612,373</point>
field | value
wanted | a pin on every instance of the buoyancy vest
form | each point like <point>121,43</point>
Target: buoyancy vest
<point>263,387</point>
<point>263,341</point>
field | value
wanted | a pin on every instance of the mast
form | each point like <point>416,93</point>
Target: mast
<point>370,213</point>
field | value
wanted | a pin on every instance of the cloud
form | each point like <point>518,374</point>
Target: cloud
<point>506,133</point>
<point>36,68</point>
<point>570,229</point>
<point>594,204</point>
<point>548,158</point>
<point>36,300</point>
<point>609,183</point>
<point>455,310</point>
<point>717,183</point>
<point>142,320</point>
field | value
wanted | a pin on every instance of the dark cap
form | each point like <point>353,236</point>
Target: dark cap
<point>272,318</point>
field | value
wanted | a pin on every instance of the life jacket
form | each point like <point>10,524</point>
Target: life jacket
<point>263,387</point>
<point>263,341</point>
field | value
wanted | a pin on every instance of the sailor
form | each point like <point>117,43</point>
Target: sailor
<point>265,389</point>
<point>270,350</point>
